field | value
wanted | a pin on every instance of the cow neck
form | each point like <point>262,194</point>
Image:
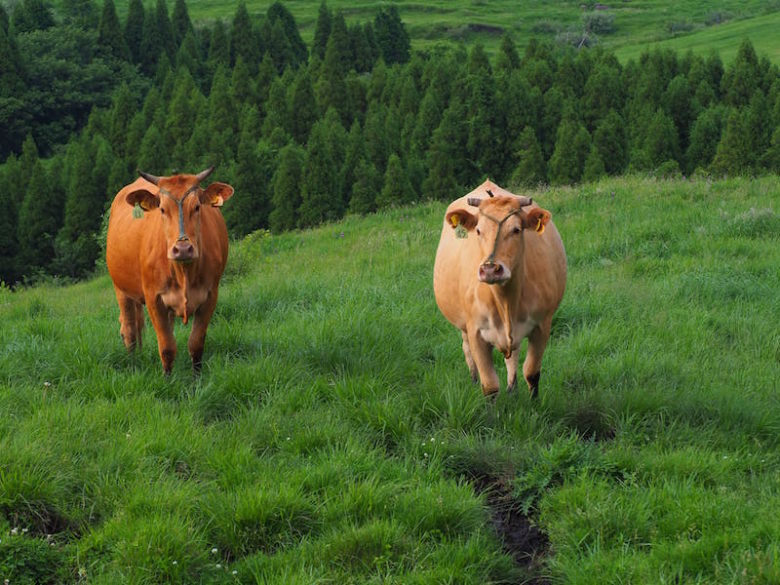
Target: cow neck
<point>185,276</point>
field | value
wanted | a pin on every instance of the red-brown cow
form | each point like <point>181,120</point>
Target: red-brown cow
<point>170,259</point>
<point>499,275</point>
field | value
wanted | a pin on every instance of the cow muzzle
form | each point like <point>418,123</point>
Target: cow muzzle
<point>494,273</point>
<point>182,251</point>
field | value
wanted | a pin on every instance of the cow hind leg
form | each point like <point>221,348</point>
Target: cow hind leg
<point>469,358</point>
<point>537,342</point>
<point>128,320</point>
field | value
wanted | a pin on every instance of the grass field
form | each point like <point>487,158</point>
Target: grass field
<point>335,437</point>
<point>701,25</point>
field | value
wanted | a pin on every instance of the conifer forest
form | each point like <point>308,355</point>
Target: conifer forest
<point>353,122</point>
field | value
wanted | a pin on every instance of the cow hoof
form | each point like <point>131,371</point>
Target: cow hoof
<point>512,388</point>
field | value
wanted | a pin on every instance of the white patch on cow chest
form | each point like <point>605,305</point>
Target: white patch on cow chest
<point>183,302</point>
<point>494,333</point>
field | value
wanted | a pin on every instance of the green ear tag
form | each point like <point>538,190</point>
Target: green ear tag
<point>460,232</point>
<point>138,213</point>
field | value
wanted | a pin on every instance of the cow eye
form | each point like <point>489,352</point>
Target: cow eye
<point>197,208</point>
<point>162,211</point>
<point>479,232</point>
<point>517,230</point>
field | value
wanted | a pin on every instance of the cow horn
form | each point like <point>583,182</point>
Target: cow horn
<point>489,192</point>
<point>526,201</point>
<point>474,201</point>
<point>201,176</point>
<point>151,178</point>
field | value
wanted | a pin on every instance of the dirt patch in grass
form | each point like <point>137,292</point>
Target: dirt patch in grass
<point>522,539</point>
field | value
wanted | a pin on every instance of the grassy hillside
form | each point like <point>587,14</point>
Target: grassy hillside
<point>335,437</point>
<point>698,24</point>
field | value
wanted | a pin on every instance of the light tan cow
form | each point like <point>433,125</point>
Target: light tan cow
<point>499,276</point>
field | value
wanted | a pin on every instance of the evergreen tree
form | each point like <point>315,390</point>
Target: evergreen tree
<point>243,40</point>
<point>153,155</point>
<point>360,47</point>
<point>241,89</point>
<point>322,31</point>
<point>594,166</point>
<point>530,170</point>
<point>278,46</point>
<point>180,122</point>
<point>391,36</point>
<point>331,88</point>
<point>9,219</point>
<point>39,218</point>
<point>603,92</point>
<point>81,13</point>
<point>705,135</point>
<point>254,170</point>
<point>287,189</point>
<point>733,154</point>
<point>320,200</point>
<point>445,157</point>
<point>304,105</point>
<point>396,190</point>
<point>134,29</point>
<point>111,40</point>
<point>364,190</point>
<point>189,57</point>
<point>220,46</point>
<point>32,15</point>
<point>677,102</point>
<point>612,143</point>
<point>507,59</point>
<point>180,22</point>
<point>428,119</point>
<point>278,13</point>
<point>743,78</point>
<point>277,113</point>
<point>759,128</point>
<point>572,146</point>
<point>222,119</point>
<point>661,143</point>
<point>354,153</point>
<point>485,138</point>
<point>375,137</point>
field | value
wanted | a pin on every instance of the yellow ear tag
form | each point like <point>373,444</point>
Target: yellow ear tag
<point>454,220</point>
<point>539,226</point>
<point>217,201</point>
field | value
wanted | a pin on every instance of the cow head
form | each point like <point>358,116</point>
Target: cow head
<point>178,200</point>
<point>499,224</point>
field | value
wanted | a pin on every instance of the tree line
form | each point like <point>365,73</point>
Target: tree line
<point>353,123</point>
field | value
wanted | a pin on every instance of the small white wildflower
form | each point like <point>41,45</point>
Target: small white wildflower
<point>214,550</point>
<point>219,566</point>
<point>47,384</point>
<point>425,454</point>
<point>235,572</point>
<point>288,438</point>
<point>14,530</point>
<point>175,562</point>
<point>24,530</point>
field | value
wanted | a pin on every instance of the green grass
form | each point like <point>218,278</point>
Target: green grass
<point>700,25</point>
<point>334,432</point>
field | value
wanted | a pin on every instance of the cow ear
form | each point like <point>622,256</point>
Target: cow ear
<point>536,219</point>
<point>216,194</point>
<point>461,217</point>
<point>146,200</point>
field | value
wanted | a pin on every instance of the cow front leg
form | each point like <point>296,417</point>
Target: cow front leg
<point>482,353</point>
<point>200,323</point>
<point>537,342</point>
<point>511,362</point>
<point>163,327</point>
<point>469,359</point>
